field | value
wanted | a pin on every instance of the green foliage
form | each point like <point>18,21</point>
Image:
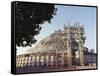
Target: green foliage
<point>29,17</point>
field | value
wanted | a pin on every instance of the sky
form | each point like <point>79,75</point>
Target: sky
<point>86,16</point>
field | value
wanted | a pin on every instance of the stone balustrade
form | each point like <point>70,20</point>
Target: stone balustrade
<point>42,59</point>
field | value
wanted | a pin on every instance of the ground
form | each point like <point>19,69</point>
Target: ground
<point>46,69</point>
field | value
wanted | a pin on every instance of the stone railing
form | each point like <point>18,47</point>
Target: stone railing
<point>42,59</point>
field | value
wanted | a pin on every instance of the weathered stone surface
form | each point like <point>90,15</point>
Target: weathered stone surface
<point>57,41</point>
<point>52,43</point>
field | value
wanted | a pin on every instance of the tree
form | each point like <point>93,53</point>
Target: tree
<point>29,17</point>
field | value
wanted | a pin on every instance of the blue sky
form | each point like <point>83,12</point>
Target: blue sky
<point>84,15</point>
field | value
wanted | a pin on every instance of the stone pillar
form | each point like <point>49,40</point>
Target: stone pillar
<point>55,59</point>
<point>69,46</point>
<point>44,60</point>
<point>40,60</point>
<point>65,59</point>
<point>81,54</point>
<point>50,61</point>
<point>47,58</point>
<point>62,60</point>
<point>35,61</point>
<point>80,47</point>
<point>69,54</point>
